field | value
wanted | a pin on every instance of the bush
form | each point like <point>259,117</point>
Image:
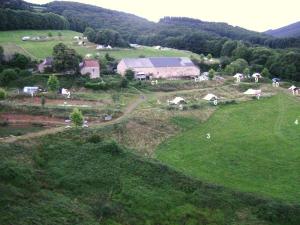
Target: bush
<point>124,83</point>
<point>20,61</point>
<point>112,147</point>
<point>95,138</point>
<point>53,83</point>
<point>77,117</point>
<point>129,74</point>
<point>97,86</point>
<point>7,76</point>
<point>24,73</point>
<point>2,94</point>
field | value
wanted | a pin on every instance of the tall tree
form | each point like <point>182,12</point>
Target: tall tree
<point>65,59</point>
<point>53,83</point>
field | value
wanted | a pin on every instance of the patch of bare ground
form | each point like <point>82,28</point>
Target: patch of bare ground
<point>27,119</point>
<point>150,127</point>
<point>37,101</point>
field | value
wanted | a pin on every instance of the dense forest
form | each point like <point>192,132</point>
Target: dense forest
<point>23,19</point>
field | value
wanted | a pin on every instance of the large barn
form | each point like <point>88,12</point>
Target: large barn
<point>159,67</point>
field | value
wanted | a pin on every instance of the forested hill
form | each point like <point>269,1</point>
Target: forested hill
<point>218,29</point>
<point>100,18</point>
<point>292,30</point>
<point>170,31</point>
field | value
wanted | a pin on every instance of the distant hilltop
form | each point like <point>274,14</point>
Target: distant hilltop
<point>292,30</point>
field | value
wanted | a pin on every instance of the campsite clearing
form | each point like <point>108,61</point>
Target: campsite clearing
<point>254,147</point>
<point>12,43</point>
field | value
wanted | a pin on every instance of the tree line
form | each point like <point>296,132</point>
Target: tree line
<point>23,19</point>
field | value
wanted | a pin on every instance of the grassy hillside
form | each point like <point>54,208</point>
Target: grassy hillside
<point>12,42</point>
<point>77,178</point>
<point>254,147</point>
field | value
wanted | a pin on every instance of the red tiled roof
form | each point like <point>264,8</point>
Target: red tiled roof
<point>90,63</point>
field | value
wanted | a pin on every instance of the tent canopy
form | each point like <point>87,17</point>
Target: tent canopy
<point>210,97</point>
<point>252,92</point>
<point>238,75</point>
<point>256,75</point>
<point>177,100</point>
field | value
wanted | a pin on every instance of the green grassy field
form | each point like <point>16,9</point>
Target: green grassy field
<point>12,42</point>
<point>254,147</point>
<point>77,177</point>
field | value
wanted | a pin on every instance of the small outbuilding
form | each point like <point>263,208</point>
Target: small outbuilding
<point>90,67</point>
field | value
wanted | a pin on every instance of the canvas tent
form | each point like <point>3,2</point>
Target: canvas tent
<point>275,80</point>
<point>238,75</point>
<point>252,92</point>
<point>177,100</point>
<point>210,97</point>
<point>256,75</point>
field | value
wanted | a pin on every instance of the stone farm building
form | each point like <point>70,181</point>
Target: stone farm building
<point>159,67</point>
<point>91,67</point>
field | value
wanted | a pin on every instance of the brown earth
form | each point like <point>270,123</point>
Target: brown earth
<point>26,119</point>
<point>37,101</point>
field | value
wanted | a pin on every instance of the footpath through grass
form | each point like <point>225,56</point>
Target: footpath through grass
<point>254,147</point>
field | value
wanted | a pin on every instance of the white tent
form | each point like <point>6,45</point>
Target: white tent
<point>100,47</point>
<point>252,92</point>
<point>210,97</point>
<point>292,87</point>
<point>177,101</point>
<point>256,75</point>
<point>238,75</point>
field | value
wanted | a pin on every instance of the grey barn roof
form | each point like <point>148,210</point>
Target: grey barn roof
<point>158,62</point>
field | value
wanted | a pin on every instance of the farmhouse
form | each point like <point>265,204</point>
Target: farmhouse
<point>90,67</point>
<point>160,67</point>
<point>47,63</point>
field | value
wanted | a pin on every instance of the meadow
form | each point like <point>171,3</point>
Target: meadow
<point>253,147</point>
<point>12,42</point>
<point>78,177</point>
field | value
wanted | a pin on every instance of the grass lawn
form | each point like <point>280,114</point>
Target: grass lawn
<point>254,147</point>
<point>12,42</point>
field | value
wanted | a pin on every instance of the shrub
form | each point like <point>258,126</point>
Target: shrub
<point>211,74</point>
<point>53,83</point>
<point>112,147</point>
<point>129,74</point>
<point>97,86</point>
<point>77,117</point>
<point>2,94</point>
<point>43,101</point>
<point>95,138</point>
<point>7,76</point>
<point>124,83</point>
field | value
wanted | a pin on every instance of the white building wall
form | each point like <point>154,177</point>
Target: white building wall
<point>93,71</point>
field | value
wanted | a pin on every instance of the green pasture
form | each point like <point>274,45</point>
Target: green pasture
<point>12,43</point>
<point>254,147</point>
